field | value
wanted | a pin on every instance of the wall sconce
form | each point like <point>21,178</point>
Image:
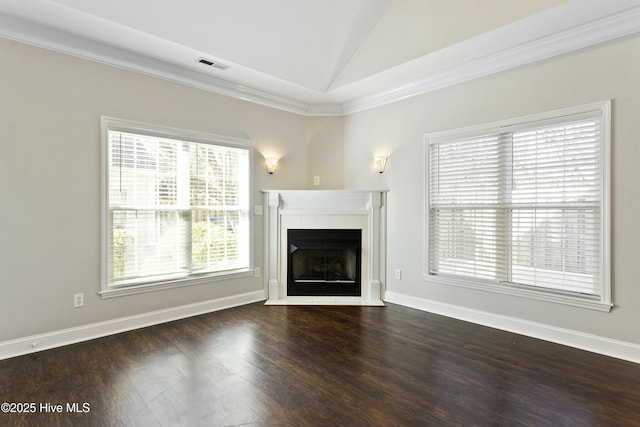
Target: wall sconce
<point>381,163</point>
<point>272,163</point>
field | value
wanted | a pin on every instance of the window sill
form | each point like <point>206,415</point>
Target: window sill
<point>169,284</point>
<point>554,297</point>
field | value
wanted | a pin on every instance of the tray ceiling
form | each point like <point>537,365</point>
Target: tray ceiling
<point>317,57</point>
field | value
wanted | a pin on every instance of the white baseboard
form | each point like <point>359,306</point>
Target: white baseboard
<point>34,343</point>
<point>593,343</point>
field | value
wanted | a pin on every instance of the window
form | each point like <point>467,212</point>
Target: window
<point>176,206</point>
<point>521,206</point>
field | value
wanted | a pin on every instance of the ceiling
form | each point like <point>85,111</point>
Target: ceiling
<point>318,57</point>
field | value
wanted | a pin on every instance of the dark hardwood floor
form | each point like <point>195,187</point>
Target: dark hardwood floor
<point>320,366</point>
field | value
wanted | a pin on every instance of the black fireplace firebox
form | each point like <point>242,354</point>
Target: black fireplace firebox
<point>324,262</point>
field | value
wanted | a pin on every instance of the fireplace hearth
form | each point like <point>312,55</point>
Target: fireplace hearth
<point>324,262</point>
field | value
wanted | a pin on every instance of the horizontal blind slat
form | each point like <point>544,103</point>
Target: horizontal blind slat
<point>175,207</point>
<point>520,207</point>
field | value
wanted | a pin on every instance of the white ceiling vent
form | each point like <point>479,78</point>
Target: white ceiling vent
<point>213,64</point>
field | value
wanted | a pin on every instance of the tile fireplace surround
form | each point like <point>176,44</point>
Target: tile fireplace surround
<point>326,209</point>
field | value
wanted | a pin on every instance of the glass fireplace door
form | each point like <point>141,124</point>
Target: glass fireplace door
<point>324,262</point>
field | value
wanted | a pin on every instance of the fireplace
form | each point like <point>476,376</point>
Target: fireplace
<point>324,262</point>
<point>325,247</point>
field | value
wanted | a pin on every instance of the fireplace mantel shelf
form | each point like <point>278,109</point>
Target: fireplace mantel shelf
<point>363,209</point>
<point>329,202</point>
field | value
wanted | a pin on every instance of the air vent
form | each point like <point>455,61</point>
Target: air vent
<point>213,64</point>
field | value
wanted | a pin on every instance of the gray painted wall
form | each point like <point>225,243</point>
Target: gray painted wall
<point>50,108</point>
<point>607,71</point>
<point>50,176</point>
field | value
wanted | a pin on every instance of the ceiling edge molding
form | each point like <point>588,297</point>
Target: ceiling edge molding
<point>324,110</point>
<point>601,30</point>
<point>23,31</point>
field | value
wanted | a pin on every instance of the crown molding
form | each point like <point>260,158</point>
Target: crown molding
<point>50,38</point>
<point>598,31</point>
<point>605,29</point>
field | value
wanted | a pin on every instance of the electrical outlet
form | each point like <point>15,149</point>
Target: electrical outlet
<point>316,180</point>
<point>398,274</point>
<point>256,272</point>
<point>257,210</point>
<point>78,300</point>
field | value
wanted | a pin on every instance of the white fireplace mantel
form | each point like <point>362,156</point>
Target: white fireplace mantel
<point>363,209</point>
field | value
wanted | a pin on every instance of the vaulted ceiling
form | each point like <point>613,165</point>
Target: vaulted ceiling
<point>318,57</point>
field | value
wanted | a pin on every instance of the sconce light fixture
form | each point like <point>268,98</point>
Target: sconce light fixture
<point>272,163</point>
<point>381,163</point>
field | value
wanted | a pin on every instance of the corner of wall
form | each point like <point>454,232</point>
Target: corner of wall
<point>325,152</point>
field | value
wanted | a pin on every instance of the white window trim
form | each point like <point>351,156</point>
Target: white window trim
<point>111,124</point>
<point>604,303</point>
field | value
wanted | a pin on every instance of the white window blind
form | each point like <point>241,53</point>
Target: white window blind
<point>521,206</point>
<point>176,208</point>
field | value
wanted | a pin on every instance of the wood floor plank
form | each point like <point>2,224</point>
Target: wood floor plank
<point>259,365</point>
